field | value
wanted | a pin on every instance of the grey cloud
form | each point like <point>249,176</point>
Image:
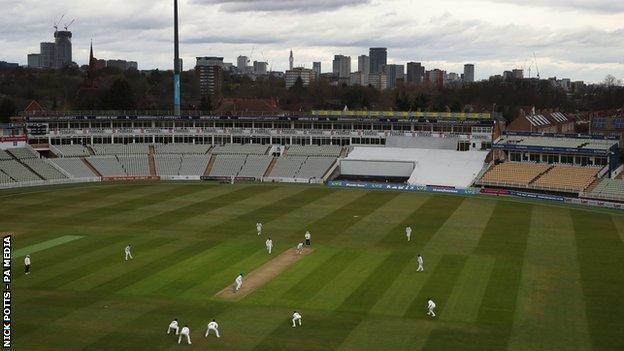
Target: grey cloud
<point>281,5</point>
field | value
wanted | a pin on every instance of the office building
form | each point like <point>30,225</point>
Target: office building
<point>260,68</point>
<point>122,64</point>
<point>378,80</point>
<point>48,54</point>
<point>435,77</point>
<point>378,59</point>
<point>34,60</point>
<point>364,68</point>
<point>517,73</point>
<point>306,75</point>
<point>63,48</point>
<point>291,60</point>
<point>468,73</point>
<point>241,63</point>
<point>316,67</point>
<point>394,73</point>
<point>342,66</point>
<point>415,73</point>
<point>210,73</point>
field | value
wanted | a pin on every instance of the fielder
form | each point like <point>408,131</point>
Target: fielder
<point>300,248</point>
<point>127,251</point>
<point>308,236</point>
<point>408,233</point>
<point>430,306</point>
<point>420,263</point>
<point>269,245</point>
<point>185,332</point>
<point>173,326</point>
<point>214,326</point>
<point>296,317</point>
<point>27,264</point>
<point>238,282</point>
<point>259,228</point>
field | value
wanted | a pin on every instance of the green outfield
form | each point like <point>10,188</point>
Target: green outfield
<point>506,275</point>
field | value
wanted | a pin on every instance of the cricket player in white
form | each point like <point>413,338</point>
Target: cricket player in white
<point>408,233</point>
<point>27,264</point>
<point>127,251</point>
<point>307,236</point>
<point>300,248</point>
<point>259,227</point>
<point>239,282</point>
<point>173,326</point>
<point>420,263</point>
<point>430,306</point>
<point>185,332</point>
<point>296,317</point>
<point>269,245</point>
<point>214,326</point>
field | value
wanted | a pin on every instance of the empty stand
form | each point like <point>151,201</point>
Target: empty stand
<point>181,148</point>
<point>24,152</point>
<point>240,149</point>
<point>227,165</point>
<point>255,166</point>
<point>515,173</point>
<point>608,189</point>
<point>314,150</point>
<point>107,166</point>
<point>70,150</point>
<point>568,177</point>
<point>135,165</point>
<point>43,168</point>
<point>18,171</point>
<point>315,167</point>
<point>120,149</point>
<point>287,166</point>
<point>74,166</point>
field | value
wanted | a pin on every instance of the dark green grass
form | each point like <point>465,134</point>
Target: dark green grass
<point>358,291</point>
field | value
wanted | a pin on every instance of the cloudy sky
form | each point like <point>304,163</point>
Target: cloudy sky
<point>579,39</point>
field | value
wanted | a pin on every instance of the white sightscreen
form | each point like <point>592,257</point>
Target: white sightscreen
<point>376,168</point>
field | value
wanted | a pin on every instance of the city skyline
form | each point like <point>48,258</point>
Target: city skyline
<point>583,42</point>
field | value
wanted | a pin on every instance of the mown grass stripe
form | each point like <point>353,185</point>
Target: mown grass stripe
<point>44,245</point>
<point>333,224</point>
<point>155,248</point>
<point>376,284</point>
<point>600,254</point>
<point>57,261</point>
<point>425,221</point>
<point>314,281</point>
<point>504,239</point>
<point>270,212</point>
<point>124,205</point>
<point>108,259</point>
<point>179,214</point>
<point>438,287</point>
<point>320,331</point>
<point>155,281</point>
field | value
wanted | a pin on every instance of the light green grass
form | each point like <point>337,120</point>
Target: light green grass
<point>506,275</point>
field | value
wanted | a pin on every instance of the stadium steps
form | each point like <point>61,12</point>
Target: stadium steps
<point>344,152</point>
<point>90,150</point>
<point>93,169</point>
<point>539,175</point>
<point>591,186</point>
<point>32,170</point>
<point>270,168</point>
<point>213,158</point>
<point>152,163</point>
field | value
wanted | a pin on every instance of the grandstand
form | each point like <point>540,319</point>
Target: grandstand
<point>4,179</point>
<point>179,148</point>
<point>607,189</point>
<point>24,152</point>
<point>255,166</point>
<point>5,156</point>
<point>227,165</point>
<point>43,168</point>
<point>314,150</point>
<point>168,165</point>
<point>240,149</point>
<point>287,166</point>
<point>120,149</point>
<point>193,165</point>
<point>135,165</point>
<point>18,171</point>
<point>74,166</point>
<point>107,166</point>
<point>567,177</point>
<point>315,167</point>
<point>514,173</point>
<point>70,151</point>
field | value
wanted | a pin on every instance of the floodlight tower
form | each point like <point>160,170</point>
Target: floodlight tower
<point>176,62</point>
